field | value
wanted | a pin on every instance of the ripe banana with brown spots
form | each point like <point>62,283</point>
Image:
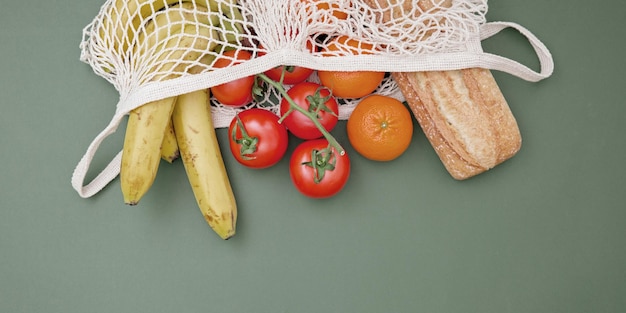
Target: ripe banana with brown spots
<point>202,158</point>
<point>170,45</point>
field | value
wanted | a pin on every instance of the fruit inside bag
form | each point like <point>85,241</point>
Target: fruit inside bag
<point>136,46</point>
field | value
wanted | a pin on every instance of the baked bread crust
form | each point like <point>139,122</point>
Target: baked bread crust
<point>462,113</point>
<point>464,116</point>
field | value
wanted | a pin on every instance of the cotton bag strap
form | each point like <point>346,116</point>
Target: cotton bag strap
<point>500,63</point>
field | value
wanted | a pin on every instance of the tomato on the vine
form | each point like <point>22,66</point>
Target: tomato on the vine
<point>318,170</point>
<point>318,102</point>
<point>292,74</point>
<point>257,139</point>
<point>238,92</point>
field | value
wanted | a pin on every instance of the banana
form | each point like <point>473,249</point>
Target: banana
<point>167,24</point>
<point>171,43</point>
<point>141,156</point>
<point>232,24</point>
<point>146,124</point>
<point>189,50</point>
<point>193,41</point>
<point>202,159</point>
<point>204,63</point>
<point>184,12</point>
<point>123,19</point>
<point>169,146</point>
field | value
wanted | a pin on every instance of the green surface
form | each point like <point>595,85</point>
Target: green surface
<point>543,232</point>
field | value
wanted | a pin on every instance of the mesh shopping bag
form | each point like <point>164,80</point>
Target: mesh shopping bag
<point>133,45</point>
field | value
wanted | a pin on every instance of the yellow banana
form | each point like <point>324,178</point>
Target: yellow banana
<point>167,24</point>
<point>191,47</point>
<point>200,152</point>
<point>141,156</point>
<point>146,124</point>
<point>232,24</point>
<point>169,146</point>
<point>184,12</point>
<point>123,19</point>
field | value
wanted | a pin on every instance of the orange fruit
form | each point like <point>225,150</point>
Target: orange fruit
<point>335,11</point>
<point>355,84</point>
<point>344,45</point>
<point>326,5</point>
<point>380,128</point>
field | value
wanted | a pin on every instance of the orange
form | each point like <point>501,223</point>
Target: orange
<point>380,128</point>
<point>326,5</point>
<point>335,11</point>
<point>355,84</point>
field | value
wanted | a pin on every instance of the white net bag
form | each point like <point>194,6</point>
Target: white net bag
<point>153,49</point>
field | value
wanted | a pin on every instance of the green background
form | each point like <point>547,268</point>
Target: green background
<point>543,232</point>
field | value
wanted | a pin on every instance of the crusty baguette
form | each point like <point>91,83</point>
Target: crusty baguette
<point>464,116</point>
<point>463,113</point>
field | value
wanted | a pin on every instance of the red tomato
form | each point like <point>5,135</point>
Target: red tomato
<point>238,92</point>
<point>293,74</point>
<point>320,104</point>
<point>257,139</point>
<point>317,170</point>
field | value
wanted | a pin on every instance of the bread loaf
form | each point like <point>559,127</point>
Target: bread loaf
<point>463,112</point>
<point>464,116</point>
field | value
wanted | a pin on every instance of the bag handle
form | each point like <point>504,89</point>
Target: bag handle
<point>107,174</point>
<point>510,66</point>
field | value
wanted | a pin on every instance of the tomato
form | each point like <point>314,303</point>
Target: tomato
<point>318,170</point>
<point>238,92</point>
<point>317,101</point>
<point>293,74</point>
<point>257,139</point>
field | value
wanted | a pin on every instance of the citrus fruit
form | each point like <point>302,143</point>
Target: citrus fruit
<point>353,84</point>
<point>328,6</point>
<point>380,128</point>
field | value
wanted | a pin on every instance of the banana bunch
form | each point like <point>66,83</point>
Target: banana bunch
<point>173,34</point>
<point>126,17</point>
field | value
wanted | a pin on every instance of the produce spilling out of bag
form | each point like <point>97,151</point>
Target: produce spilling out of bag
<point>271,71</point>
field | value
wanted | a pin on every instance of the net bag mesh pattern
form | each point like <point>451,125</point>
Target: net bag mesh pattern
<point>117,43</point>
<point>153,49</point>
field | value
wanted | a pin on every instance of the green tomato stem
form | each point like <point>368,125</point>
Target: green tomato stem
<point>293,106</point>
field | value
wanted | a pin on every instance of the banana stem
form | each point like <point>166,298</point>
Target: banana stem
<point>295,107</point>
